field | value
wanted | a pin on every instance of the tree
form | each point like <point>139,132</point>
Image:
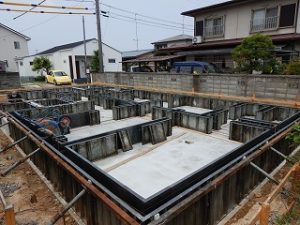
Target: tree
<point>41,64</point>
<point>255,53</point>
<point>95,62</point>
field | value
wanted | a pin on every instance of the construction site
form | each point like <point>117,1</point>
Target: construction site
<point>150,149</point>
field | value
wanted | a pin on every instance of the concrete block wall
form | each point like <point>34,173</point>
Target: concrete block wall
<point>9,80</point>
<point>261,86</point>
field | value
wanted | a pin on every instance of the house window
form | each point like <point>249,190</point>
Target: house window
<point>30,63</point>
<point>214,27</point>
<point>111,60</point>
<point>21,63</point>
<point>264,19</point>
<point>199,28</point>
<point>17,45</point>
<point>287,15</point>
<point>161,46</point>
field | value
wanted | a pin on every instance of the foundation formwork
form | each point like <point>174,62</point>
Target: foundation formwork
<point>203,197</point>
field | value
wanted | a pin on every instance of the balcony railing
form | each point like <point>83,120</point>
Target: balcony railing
<point>269,23</point>
<point>215,31</point>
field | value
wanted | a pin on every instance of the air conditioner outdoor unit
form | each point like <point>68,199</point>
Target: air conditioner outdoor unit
<point>197,40</point>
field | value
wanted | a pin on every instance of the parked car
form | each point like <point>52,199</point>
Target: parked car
<point>194,67</point>
<point>58,77</point>
<point>137,69</point>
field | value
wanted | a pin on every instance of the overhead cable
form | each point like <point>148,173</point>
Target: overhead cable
<point>42,6</point>
<point>48,12</point>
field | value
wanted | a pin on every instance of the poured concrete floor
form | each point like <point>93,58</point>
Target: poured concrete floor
<point>149,169</point>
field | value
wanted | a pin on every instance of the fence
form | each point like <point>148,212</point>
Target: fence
<point>275,87</point>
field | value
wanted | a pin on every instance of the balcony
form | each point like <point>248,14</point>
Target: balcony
<point>269,23</point>
<point>214,31</point>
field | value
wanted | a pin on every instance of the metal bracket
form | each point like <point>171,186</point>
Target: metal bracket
<point>19,162</point>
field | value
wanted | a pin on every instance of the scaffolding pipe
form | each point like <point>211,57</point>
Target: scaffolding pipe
<point>282,155</point>
<point>265,173</point>
<point>67,207</point>
<point>13,144</point>
<point>16,164</point>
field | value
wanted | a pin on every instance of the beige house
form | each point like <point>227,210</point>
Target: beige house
<point>221,27</point>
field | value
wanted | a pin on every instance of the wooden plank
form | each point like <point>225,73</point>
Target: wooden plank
<point>282,183</point>
<point>255,218</point>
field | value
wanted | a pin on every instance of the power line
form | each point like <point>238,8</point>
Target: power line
<point>146,24</point>
<point>29,10</point>
<point>43,6</point>
<point>48,12</point>
<point>145,16</point>
<point>151,22</point>
<point>138,14</point>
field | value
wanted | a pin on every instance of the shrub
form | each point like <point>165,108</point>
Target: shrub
<point>40,78</point>
<point>293,68</point>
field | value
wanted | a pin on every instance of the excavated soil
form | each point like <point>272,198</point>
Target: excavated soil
<point>33,203</point>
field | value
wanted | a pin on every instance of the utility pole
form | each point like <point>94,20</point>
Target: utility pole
<point>84,44</point>
<point>100,54</point>
<point>136,32</point>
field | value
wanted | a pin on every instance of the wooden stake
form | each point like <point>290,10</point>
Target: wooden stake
<point>10,215</point>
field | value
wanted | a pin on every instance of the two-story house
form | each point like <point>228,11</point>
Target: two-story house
<point>12,46</point>
<point>221,27</point>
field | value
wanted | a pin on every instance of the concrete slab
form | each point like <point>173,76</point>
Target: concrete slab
<point>87,131</point>
<point>194,109</point>
<point>166,163</point>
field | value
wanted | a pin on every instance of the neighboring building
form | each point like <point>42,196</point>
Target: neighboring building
<point>128,55</point>
<point>220,28</point>
<point>181,40</point>
<point>12,45</point>
<point>70,58</point>
<point>160,59</point>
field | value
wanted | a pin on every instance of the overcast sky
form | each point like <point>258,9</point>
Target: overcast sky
<point>118,30</point>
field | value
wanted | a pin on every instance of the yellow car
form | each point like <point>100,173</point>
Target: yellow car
<point>58,77</point>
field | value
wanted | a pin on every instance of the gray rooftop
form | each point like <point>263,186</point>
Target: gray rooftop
<point>175,38</point>
<point>135,53</point>
<point>15,32</point>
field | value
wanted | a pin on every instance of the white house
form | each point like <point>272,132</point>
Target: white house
<point>70,58</point>
<point>12,45</point>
